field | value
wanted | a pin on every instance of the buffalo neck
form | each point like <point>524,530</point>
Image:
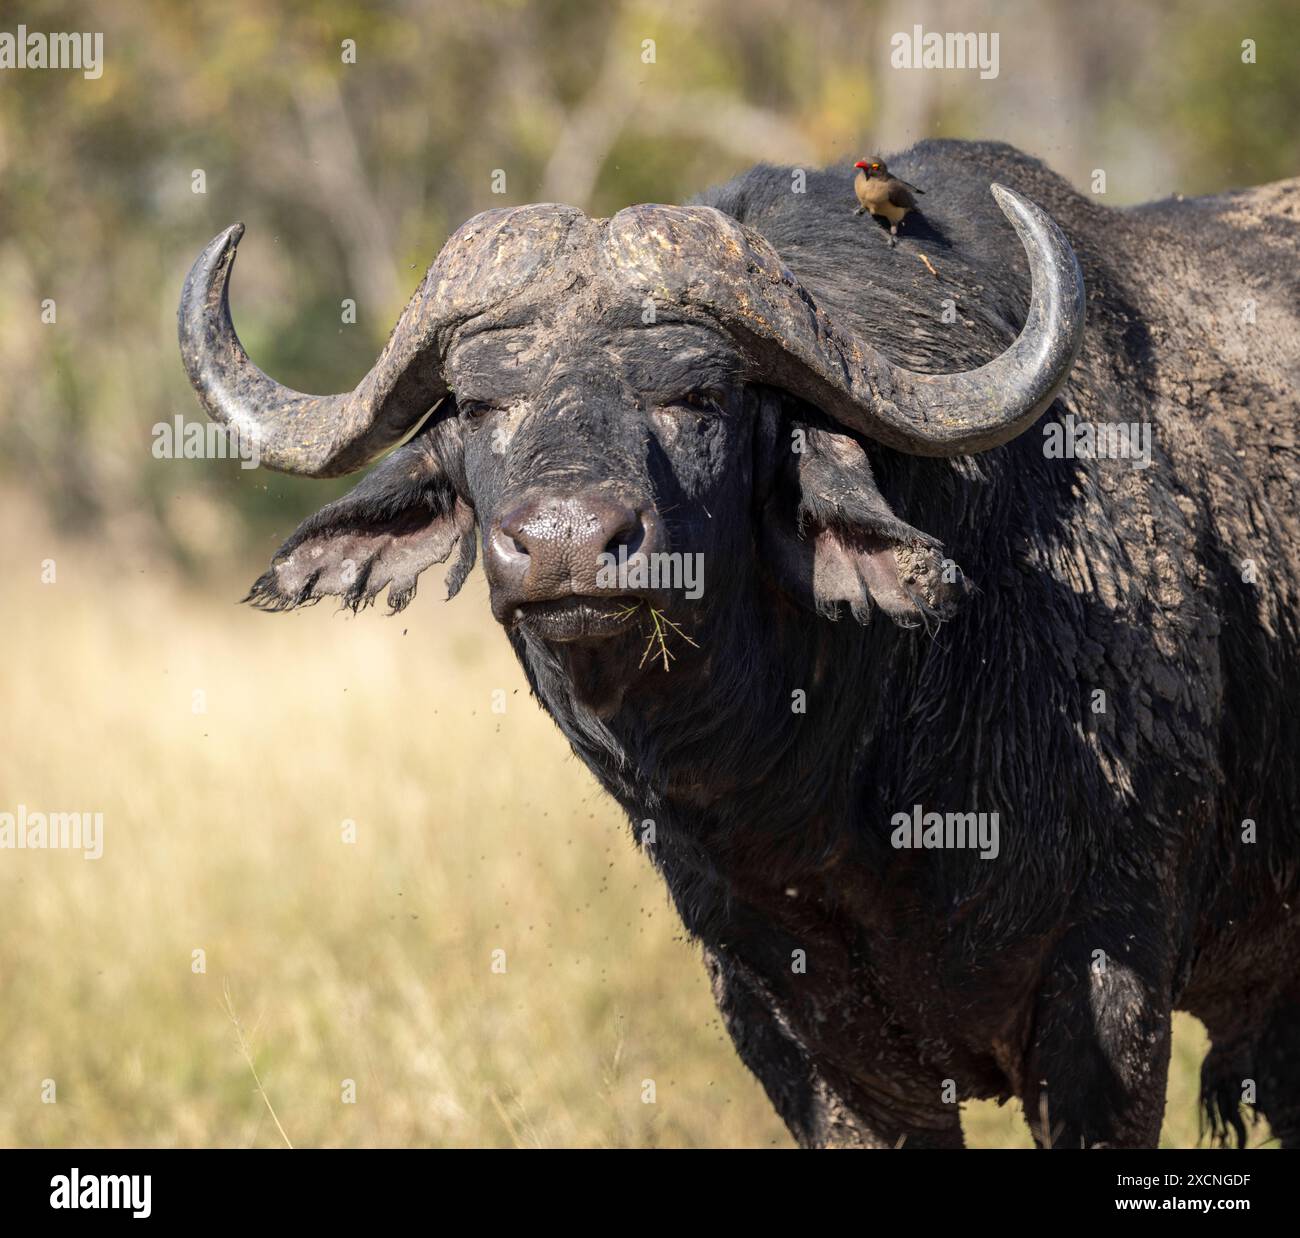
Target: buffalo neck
<point>752,745</point>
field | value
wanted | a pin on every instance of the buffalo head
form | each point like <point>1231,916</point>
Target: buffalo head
<point>623,390</point>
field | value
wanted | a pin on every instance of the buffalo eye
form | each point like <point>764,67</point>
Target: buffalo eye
<point>474,410</point>
<point>701,401</point>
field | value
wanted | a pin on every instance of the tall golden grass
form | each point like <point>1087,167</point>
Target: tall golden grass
<point>326,960</point>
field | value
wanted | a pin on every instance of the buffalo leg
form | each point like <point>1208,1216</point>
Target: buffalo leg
<point>1277,1072</point>
<point>1099,1055</point>
<point>819,1110</point>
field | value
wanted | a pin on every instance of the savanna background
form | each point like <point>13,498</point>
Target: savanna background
<point>229,749</point>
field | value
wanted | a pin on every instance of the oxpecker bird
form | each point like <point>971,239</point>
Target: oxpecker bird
<point>883,194</point>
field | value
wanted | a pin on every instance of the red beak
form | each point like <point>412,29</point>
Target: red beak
<point>860,164</point>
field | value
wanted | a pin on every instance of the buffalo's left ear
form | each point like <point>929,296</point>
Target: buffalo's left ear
<point>830,538</point>
<point>403,517</point>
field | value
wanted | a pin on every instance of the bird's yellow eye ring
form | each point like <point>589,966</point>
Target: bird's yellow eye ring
<point>875,167</point>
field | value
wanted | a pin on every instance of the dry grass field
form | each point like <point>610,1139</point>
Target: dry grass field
<point>368,961</point>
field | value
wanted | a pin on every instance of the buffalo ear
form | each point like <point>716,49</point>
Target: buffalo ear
<point>830,538</point>
<point>403,517</point>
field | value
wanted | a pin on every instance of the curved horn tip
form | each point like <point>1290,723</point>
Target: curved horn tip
<point>226,241</point>
<point>231,236</point>
<point>214,263</point>
<point>1010,203</point>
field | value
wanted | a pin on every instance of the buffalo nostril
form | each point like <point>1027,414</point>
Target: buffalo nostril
<point>628,538</point>
<point>510,545</point>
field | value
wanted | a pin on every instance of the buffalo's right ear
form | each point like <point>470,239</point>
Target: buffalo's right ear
<point>403,517</point>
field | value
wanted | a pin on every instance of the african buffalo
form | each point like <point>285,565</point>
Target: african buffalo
<point>942,832</point>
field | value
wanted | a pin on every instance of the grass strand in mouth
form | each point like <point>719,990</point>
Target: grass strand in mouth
<point>656,648</point>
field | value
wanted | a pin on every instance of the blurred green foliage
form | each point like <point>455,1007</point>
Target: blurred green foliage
<point>351,175</point>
